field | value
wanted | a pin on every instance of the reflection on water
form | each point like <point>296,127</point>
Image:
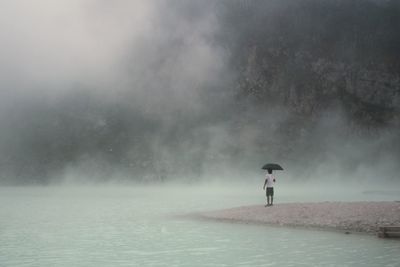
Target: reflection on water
<point>133,227</point>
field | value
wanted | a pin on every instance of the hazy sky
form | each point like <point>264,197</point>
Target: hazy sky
<point>50,47</point>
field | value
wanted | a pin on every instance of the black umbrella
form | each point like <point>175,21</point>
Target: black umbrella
<point>272,166</point>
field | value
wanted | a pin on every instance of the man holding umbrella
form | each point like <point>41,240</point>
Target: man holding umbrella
<point>269,182</point>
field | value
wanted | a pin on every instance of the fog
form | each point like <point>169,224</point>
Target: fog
<point>94,92</point>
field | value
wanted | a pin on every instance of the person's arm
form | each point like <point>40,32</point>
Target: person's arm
<point>265,183</point>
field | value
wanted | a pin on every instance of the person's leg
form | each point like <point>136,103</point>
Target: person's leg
<point>268,196</point>
<point>272,196</point>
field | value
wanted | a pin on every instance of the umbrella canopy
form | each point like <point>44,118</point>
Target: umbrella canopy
<point>272,166</point>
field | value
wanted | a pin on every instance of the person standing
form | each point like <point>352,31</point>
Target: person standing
<point>269,183</point>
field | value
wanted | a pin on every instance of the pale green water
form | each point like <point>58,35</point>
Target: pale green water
<point>130,226</point>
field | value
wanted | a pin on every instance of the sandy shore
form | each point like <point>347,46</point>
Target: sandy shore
<point>363,217</point>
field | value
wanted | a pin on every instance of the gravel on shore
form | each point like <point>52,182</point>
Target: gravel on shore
<point>364,217</point>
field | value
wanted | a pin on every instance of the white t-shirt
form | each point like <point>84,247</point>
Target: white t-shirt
<point>270,180</point>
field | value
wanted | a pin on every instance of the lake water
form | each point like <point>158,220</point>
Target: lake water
<point>138,226</point>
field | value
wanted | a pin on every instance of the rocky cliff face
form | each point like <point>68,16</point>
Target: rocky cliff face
<point>370,96</point>
<point>329,71</point>
<point>310,55</point>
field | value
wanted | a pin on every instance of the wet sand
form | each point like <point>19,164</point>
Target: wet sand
<point>361,217</point>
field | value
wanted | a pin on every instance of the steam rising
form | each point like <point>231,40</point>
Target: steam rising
<point>94,91</point>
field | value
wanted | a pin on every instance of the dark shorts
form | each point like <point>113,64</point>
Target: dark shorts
<point>270,191</point>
